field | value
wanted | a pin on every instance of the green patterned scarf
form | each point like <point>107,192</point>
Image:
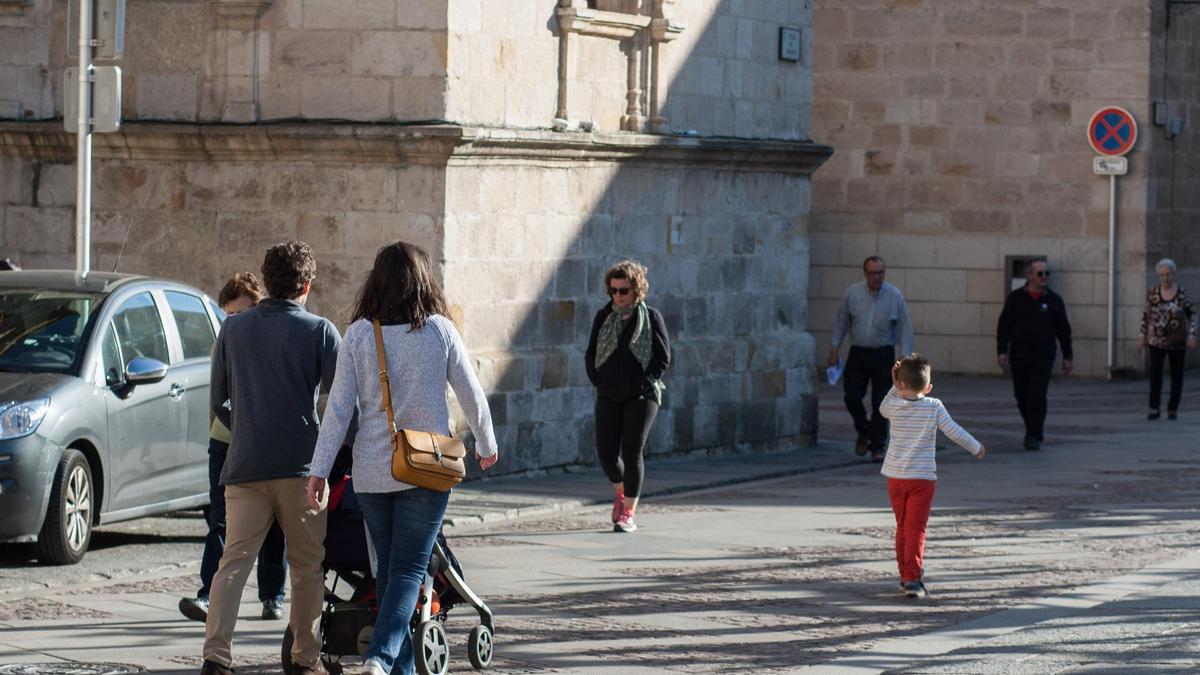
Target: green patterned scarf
<point>641,343</point>
<point>610,334</point>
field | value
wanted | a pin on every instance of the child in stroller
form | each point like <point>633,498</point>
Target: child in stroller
<point>347,620</point>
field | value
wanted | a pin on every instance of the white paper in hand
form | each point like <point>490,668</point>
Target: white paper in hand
<point>834,373</point>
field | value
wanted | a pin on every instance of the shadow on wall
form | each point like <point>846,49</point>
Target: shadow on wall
<point>727,251</point>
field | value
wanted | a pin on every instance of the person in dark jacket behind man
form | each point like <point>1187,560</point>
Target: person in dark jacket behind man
<point>240,293</point>
<point>1032,319</point>
<point>627,354</point>
<point>270,363</point>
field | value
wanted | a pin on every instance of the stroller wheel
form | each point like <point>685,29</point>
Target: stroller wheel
<point>364,638</point>
<point>433,652</point>
<point>479,646</point>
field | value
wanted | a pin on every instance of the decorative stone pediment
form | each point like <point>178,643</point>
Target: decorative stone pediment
<point>617,25</point>
<point>641,35</point>
<point>240,8</point>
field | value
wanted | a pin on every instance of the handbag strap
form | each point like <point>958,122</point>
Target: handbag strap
<point>385,387</point>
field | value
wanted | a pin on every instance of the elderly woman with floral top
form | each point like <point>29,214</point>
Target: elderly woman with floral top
<point>1169,326</point>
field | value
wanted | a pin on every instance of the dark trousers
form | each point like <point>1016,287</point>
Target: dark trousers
<point>1031,379</point>
<point>1176,357</point>
<point>272,567</point>
<point>621,433</point>
<point>874,366</point>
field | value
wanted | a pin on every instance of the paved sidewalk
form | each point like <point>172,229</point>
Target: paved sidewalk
<point>984,405</point>
<point>481,503</point>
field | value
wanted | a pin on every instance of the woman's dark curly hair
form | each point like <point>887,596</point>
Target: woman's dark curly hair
<point>401,288</point>
<point>287,267</point>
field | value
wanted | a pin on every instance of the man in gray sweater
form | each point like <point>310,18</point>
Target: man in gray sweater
<point>270,364</point>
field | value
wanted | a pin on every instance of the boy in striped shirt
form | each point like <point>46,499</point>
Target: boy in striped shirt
<point>910,464</point>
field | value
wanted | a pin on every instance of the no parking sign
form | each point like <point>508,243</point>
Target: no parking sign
<point>1112,131</point>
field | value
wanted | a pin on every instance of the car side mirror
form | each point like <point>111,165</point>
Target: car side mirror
<point>142,370</point>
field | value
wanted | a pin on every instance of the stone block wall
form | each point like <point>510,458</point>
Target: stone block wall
<point>960,129</point>
<point>186,217</point>
<point>1175,203</point>
<point>25,91</point>
<point>212,60</point>
<point>721,77</point>
<point>522,226</point>
<point>727,254</point>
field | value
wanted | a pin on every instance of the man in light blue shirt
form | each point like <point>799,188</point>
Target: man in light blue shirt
<point>874,317</point>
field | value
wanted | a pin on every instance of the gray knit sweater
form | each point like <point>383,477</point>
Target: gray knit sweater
<point>420,364</point>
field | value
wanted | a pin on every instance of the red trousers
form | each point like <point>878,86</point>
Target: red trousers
<point>911,502</point>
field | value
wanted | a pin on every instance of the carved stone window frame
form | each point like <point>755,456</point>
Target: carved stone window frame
<point>642,36</point>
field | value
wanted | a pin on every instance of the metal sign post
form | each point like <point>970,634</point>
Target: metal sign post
<point>83,156</point>
<point>91,100</point>
<point>1112,133</point>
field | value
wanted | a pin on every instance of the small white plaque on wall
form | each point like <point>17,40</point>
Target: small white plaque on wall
<point>789,43</point>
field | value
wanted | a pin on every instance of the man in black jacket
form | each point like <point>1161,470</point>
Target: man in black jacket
<point>1033,318</point>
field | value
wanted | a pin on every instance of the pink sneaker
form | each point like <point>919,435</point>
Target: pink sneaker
<point>625,522</point>
<point>618,507</point>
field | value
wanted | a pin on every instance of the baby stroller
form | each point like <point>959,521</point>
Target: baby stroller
<point>350,603</point>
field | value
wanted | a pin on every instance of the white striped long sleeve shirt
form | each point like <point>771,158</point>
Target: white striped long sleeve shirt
<point>914,425</point>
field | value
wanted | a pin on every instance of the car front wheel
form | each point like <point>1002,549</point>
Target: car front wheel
<point>68,528</point>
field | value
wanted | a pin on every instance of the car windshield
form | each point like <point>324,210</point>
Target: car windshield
<point>41,330</point>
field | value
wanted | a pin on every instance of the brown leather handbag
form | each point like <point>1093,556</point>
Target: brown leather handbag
<point>420,458</point>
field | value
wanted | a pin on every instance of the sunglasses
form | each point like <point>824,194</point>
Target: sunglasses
<point>1043,273</point>
<point>619,291</point>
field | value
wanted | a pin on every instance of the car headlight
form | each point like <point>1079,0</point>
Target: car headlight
<point>22,418</point>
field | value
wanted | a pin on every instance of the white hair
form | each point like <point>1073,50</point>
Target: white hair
<point>1167,263</point>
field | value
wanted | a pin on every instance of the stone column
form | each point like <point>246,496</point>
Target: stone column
<point>633,118</point>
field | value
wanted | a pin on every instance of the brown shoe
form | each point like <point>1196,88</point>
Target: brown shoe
<point>317,668</point>
<point>214,668</point>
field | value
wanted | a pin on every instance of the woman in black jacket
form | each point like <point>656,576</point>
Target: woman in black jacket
<point>627,354</point>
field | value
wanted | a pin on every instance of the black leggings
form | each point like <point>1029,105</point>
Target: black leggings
<point>621,432</point>
<point>1156,376</point>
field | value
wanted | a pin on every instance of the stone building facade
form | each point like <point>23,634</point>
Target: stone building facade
<point>682,142</point>
<point>961,136</point>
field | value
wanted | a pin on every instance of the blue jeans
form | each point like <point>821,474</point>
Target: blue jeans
<point>272,566</point>
<point>403,526</point>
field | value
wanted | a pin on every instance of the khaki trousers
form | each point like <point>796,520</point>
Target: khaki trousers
<point>250,510</point>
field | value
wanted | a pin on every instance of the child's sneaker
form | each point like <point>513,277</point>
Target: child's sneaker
<point>915,589</point>
<point>618,507</point>
<point>625,522</point>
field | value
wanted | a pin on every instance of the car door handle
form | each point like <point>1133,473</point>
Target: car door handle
<point>176,391</point>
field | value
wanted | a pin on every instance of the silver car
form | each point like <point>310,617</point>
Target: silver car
<point>103,403</point>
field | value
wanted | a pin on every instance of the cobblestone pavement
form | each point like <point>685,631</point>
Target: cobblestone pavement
<point>771,577</point>
<point>775,576</point>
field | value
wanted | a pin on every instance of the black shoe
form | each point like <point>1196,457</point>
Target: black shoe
<point>195,609</point>
<point>877,456</point>
<point>915,589</point>
<point>214,668</point>
<point>272,610</point>
<point>860,445</point>
<point>1154,414</point>
<point>1172,415</point>
<point>1032,443</point>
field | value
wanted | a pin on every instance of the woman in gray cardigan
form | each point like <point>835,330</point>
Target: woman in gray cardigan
<point>424,353</point>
